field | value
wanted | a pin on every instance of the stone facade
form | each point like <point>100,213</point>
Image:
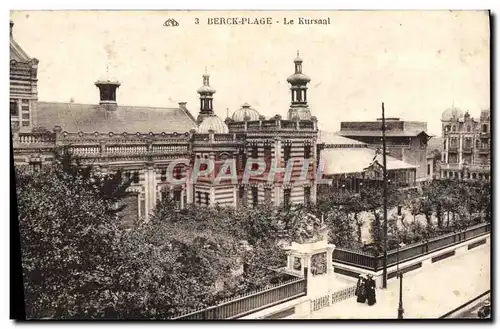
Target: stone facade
<point>466,145</point>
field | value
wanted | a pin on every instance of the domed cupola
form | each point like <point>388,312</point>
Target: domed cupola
<point>246,113</point>
<point>452,113</point>
<point>212,123</point>
<point>206,93</point>
<point>299,109</point>
<point>298,78</point>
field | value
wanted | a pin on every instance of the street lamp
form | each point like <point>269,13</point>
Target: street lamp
<point>400,276</point>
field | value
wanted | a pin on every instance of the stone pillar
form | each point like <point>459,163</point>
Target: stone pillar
<point>277,193</point>
<point>460,139</point>
<point>189,187</point>
<point>212,195</point>
<point>329,259</point>
<point>150,190</point>
<point>183,191</point>
<point>235,196</point>
<point>446,146</point>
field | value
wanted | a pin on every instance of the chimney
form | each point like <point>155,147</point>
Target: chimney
<point>11,26</point>
<point>182,105</point>
<point>107,92</point>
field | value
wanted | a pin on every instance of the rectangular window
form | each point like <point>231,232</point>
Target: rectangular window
<point>242,160</point>
<point>14,110</point>
<point>307,195</point>
<point>485,128</point>
<point>242,195</point>
<point>286,198</point>
<point>255,155</point>
<point>135,178</point>
<point>163,177</point>
<point>255,195</point>
<point>255,152</point>
<point>177,172</point>
<point>177,198</point>
<point>287,151</point>
<point>267,194</point>
<point>267,154</point>
<point>307,151</point>
<point>428,169</point>
<point>198,197</point>
<point>207,200</point>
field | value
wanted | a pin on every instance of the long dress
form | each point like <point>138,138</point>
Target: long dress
<point>361,291</point>
<point>370,291</point>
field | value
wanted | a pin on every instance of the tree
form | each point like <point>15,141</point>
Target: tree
<point>374,201</point>
<point>341,230</point>
<point>346,202</point>
<point>110,187</point>
<point>174,267</point>
<point>70,245</point>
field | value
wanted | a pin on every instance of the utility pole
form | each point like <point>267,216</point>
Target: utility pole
<point>384,157</point>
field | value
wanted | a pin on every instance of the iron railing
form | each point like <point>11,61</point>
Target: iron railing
<point>372,262</point>
<point>239,306</point>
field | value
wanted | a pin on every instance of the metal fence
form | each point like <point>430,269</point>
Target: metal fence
<point>332,298</point>
<point>374,262</point>
<point>254,301</point>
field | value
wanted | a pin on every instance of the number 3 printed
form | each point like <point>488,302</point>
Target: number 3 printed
<point>196,21</point>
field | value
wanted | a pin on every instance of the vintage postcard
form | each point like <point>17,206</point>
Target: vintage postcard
<point>222,165</point>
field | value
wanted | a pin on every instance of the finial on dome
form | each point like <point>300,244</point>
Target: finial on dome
<point>298,53</point>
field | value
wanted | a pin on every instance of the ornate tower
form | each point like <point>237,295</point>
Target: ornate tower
<point>206,99</point>
<point>298,81</point>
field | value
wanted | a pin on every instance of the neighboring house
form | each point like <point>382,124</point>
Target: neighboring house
<point>405,140</point>
<point>466,145</point>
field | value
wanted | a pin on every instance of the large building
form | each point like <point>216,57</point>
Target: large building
<point>466,145</point>
<point>156,147</point>
<point>405,140</point>
<point>351,165</point>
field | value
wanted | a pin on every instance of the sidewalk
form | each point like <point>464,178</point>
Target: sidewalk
<point>429,293</point>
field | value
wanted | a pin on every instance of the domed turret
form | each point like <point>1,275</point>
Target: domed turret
<point>246,113</point>
<point>298,77</point>
<point>206,93</point>
<point>212,123</point>
<point>206,88</point>
<point>299,110</point>
<point>452,113</point>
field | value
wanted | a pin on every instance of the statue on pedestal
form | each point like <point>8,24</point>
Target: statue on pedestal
<point>311,229</point>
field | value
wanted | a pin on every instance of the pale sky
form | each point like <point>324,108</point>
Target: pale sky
<point>418,62</point>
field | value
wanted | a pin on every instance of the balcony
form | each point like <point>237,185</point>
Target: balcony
<point>453,149</point>
<point>485,150</point>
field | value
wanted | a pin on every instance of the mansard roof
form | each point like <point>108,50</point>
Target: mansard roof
<point>90,118</point>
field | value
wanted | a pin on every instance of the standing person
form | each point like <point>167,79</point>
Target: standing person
<point>361,289</point>
<point>370,290</point>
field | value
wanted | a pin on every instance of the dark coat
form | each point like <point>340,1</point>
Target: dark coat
<point>370,291</point>
<point>361,291</point>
